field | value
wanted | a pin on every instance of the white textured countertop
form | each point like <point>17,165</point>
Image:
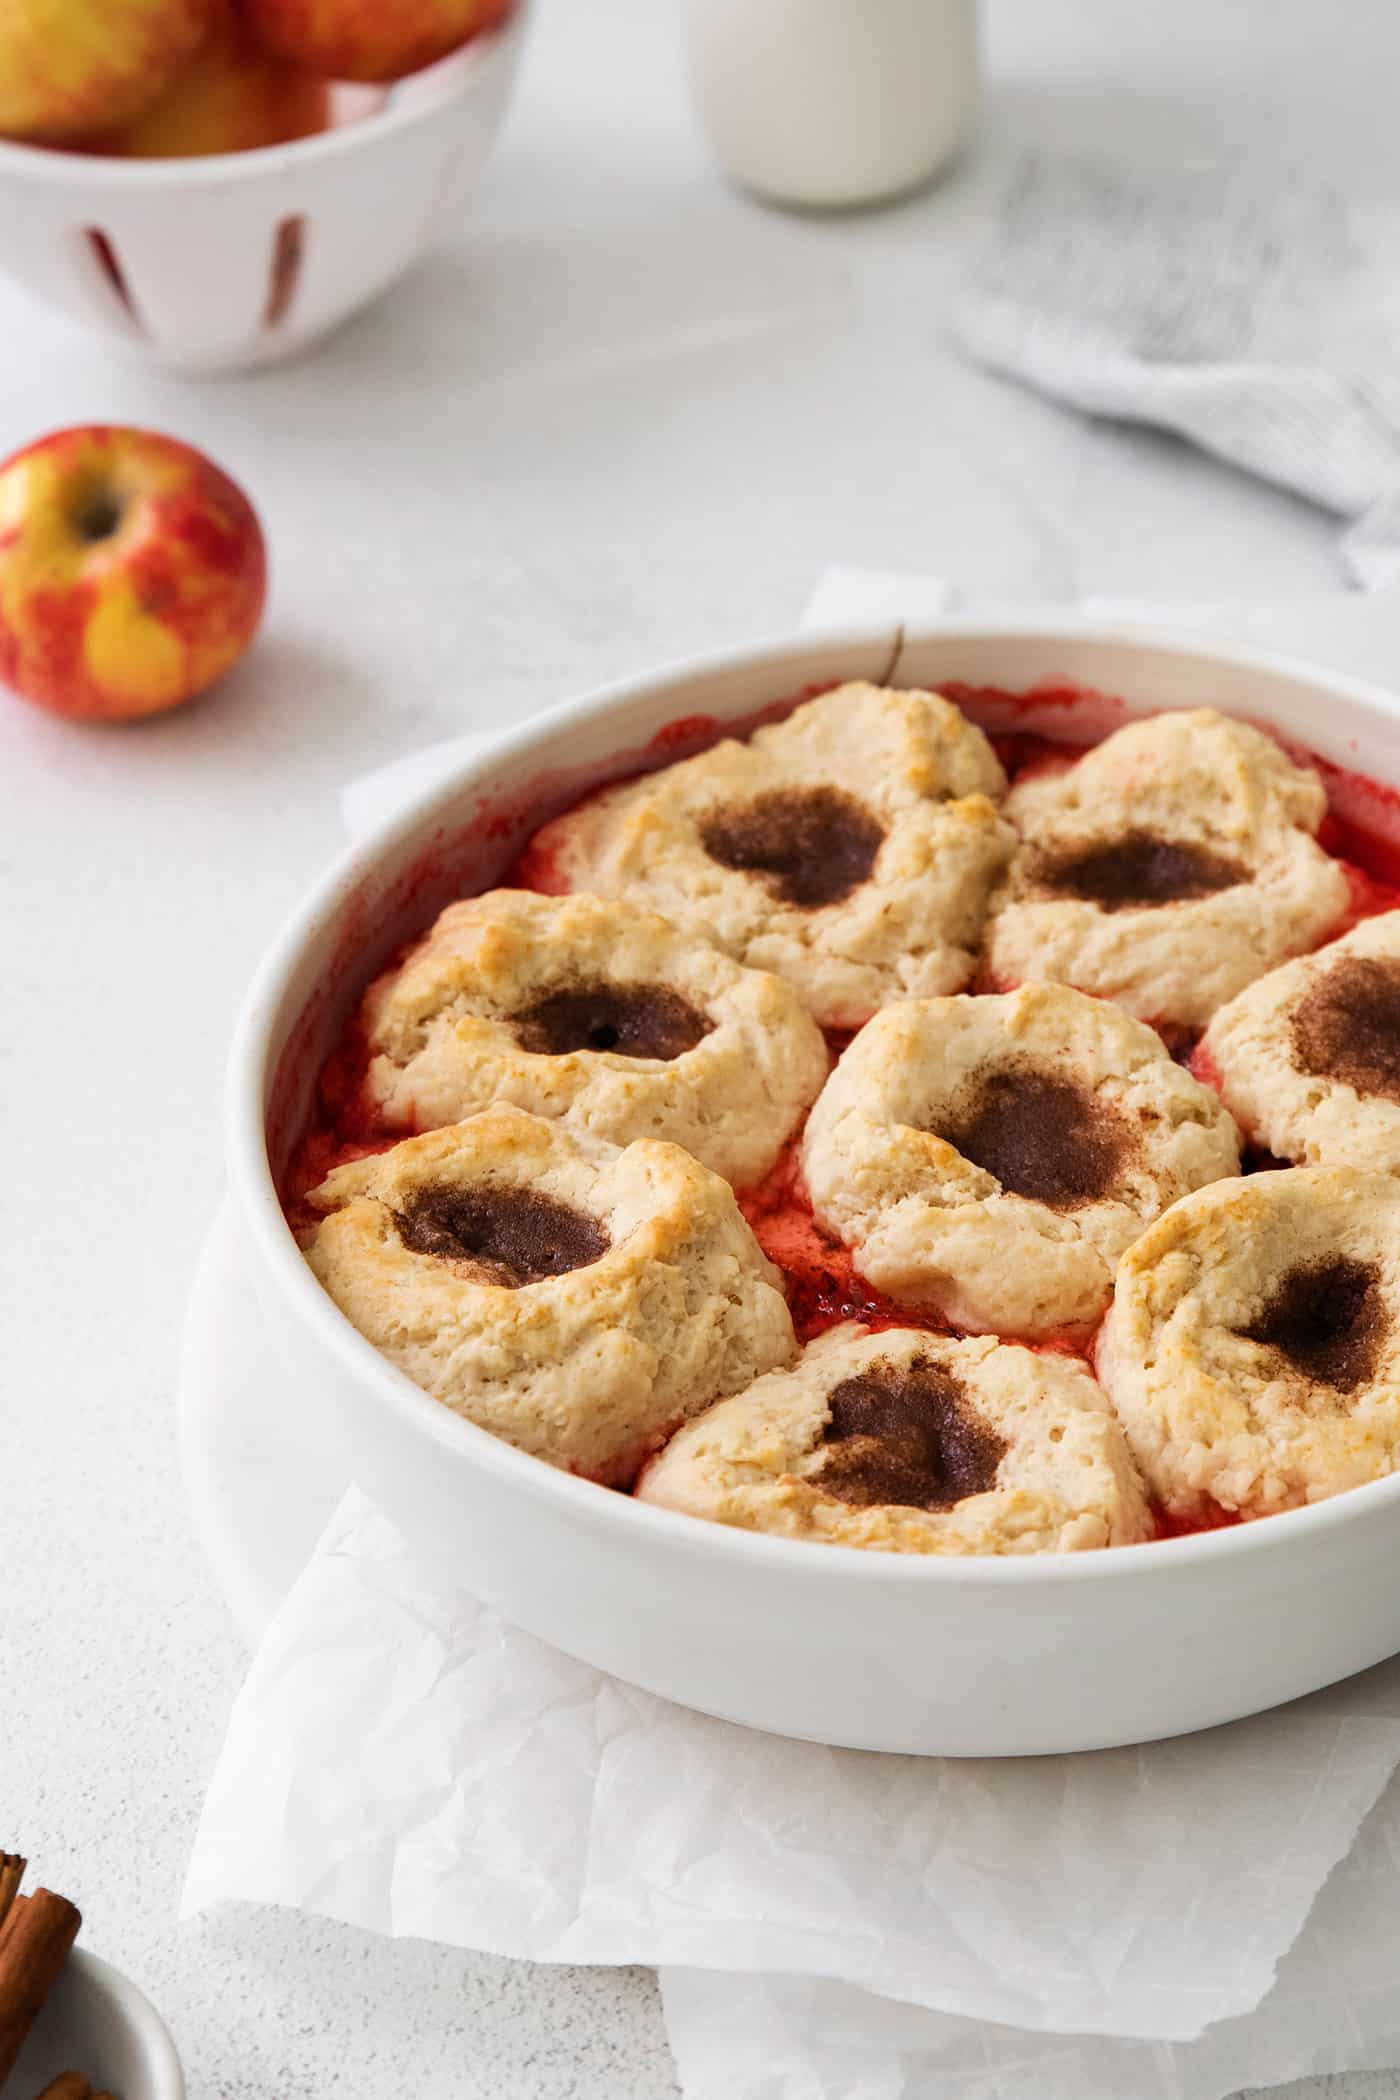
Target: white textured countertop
<point>624,416</point>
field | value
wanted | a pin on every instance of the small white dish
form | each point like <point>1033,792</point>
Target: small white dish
<point>872,1651</point>
<point>96,2021</point>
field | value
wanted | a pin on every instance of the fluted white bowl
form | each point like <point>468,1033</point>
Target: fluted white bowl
<point>234,260</point>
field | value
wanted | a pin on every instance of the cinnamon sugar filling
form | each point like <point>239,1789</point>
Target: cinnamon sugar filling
<point>1348,1026</point>
<point>635,1020</point>
<point>1329,1320</point>
<point>813,846</point>
<point>907,1437</point>
<point>1137,869</point>
<point>1041,1136</point>
<point>508,1236</point>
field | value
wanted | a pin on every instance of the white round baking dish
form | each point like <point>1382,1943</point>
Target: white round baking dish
<point>883,1652</point>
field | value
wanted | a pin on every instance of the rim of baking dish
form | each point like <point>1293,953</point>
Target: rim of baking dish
<point>257,1200</point>
<point>468,63</point>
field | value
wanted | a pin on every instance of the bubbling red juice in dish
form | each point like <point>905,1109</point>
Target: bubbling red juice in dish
<point>824,1287</point>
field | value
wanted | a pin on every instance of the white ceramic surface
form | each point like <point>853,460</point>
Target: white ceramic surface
<point>872,1651</point>
<point>824,104</point>
<point>96,2021</point>
<point>189,267</point>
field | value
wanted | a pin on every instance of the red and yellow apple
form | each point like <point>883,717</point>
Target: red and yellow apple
<point>132,572</point>
<point>233,96</point>
<point>374,40</point>
<point>70,67</point>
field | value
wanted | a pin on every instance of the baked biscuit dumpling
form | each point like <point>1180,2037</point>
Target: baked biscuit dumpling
<point>905,1442</point>
<point>1166,869</point>
<point>988,1159</point>
<point>591,1012</point>
<point>576,1299</point>
<point>1253,1348</point>
<point>1308,1058</point>
<point>851,848</point>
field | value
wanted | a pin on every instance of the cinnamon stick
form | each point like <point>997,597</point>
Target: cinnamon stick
<point>71,2085</point>
<point>11,1875</point>
<point>33,1948</point>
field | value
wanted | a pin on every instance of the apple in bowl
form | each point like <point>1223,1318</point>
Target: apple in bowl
<point>382,41</point>
<point>71,67</point>
<point>231,97</point>
<point>132,572</point>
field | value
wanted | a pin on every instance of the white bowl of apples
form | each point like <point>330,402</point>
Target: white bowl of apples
<point>214,184</point>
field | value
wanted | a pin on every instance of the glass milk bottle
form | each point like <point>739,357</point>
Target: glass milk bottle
<point>833,103</point>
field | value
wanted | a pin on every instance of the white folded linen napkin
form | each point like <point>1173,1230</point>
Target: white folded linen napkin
<point>1252,310</point>
<point>830,1925</point>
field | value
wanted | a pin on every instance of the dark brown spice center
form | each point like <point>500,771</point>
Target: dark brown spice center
<point>1136,869</point>
<point>812,845</point>
<point>1348,1026</point>
<point>908,1437</point>
<point>1041,1136</point>
<point>513,1236</point>
<point>636,1020</point>
<point>1329,1319</point>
